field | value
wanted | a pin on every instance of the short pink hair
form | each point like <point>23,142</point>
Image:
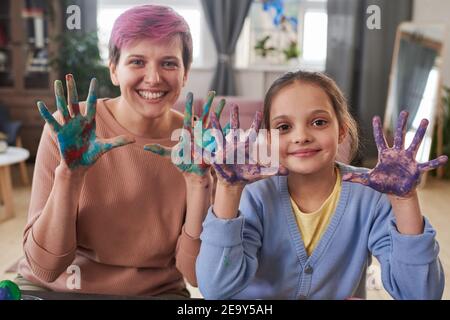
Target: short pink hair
<point>153,22</point>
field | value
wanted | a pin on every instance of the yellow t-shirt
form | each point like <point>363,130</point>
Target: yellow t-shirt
<point>312,225</point>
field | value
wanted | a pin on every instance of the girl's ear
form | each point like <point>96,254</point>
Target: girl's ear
<point>113,73</point>
<point>342,134</point>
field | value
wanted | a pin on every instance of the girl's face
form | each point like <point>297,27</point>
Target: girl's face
<point>308,128</point>
<point>150,74</point>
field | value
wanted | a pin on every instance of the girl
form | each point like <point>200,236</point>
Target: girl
<point>124,221</point>
<point>311,234</point>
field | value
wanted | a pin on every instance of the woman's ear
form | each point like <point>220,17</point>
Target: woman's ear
<point>185,77</point>
<point>113,73</point>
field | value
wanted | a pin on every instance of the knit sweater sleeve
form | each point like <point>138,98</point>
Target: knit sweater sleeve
<point>186,255</point>
<point>49,239</point>
<point>410,267</point>
<point>228,261</point>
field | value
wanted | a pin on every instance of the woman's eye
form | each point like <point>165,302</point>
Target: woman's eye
<point>320,123</point>
<point>170,64</point>
<point>283,127</point>
<point>137,62</point>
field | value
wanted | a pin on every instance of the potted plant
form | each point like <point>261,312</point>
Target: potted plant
<point>79,55</point>
<point>261,47</point>
<point>292,52</point>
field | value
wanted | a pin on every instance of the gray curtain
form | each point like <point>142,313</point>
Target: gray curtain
<point>225,20</point>
<point>415,62</point>
<point>360,59</point>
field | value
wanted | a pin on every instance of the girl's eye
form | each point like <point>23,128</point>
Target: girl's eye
<point>283,127</point>
<point>320,123</point>
<point>137,62</point>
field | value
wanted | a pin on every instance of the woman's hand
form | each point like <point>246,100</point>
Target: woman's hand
<point>242,168</point>
<point>195,138</point>
<point>397,172</point>
<point>78,143</point>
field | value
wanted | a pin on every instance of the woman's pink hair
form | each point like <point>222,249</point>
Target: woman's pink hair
<point>153,22</point>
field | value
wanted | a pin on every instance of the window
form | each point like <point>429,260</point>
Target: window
<point>301,37</point>
<point>190,10</point>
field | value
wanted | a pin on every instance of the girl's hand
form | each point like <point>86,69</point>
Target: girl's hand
<point>78,143</point>
<point>397,172</point>
<point>235,173</point>
<point>195,138</point>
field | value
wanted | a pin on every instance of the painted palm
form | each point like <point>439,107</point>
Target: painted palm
<point>397,172</point>
<point>243,167</point>
<point>195,138</point>
<point>78,143</point>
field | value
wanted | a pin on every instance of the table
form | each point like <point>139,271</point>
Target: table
<point>11,156</point>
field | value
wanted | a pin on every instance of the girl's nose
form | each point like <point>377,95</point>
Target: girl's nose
<point>301,136</point>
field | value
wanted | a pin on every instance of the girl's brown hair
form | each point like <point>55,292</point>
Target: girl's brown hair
<point>330,87</point>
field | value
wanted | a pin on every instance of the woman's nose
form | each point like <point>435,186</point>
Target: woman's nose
<point>152,75</point>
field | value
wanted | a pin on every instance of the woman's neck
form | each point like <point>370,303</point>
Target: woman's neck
<point>155,128</point>
<point>309,191</point>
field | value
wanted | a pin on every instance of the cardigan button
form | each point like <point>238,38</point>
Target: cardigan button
<point>309,270</point>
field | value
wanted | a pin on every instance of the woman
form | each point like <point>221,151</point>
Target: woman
<point>124,221</point>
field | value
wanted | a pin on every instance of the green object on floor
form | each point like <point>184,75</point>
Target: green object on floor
<point>13,291</point>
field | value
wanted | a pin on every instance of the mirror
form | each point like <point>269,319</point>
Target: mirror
<point>415,81</point>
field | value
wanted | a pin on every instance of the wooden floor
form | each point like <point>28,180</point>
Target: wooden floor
<point>434,199</point>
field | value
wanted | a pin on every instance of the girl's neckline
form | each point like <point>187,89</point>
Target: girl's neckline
<point>337,185</point>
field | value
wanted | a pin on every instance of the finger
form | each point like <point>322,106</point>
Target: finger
<point>234,116</point>
<point>380,140</point>
<point>254,128</point>
<point>217,133</point>
<point>399,138</point>
<point>207,108</point>
<point>215,123</point>
<point>219,108</point>
<point>226,129</point>
<point>187,121</point>
<point>108,144</point>
<point>91,102</point>
<point>433,164</point>
<point>158,149</point>
<point>362,178</point>
<point>54,125</point>
<point>418,137</point>
<point>61,103</point>
<point>72,95</point>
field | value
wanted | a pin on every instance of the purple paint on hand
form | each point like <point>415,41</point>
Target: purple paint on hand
<point>397,171</point>
<point>235,172</point>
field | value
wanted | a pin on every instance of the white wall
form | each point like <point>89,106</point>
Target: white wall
<point>436,11</point>
<point>251,82</point>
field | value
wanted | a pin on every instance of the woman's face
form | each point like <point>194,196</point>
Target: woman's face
<point>309,131</point>
<point>150,74</point>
